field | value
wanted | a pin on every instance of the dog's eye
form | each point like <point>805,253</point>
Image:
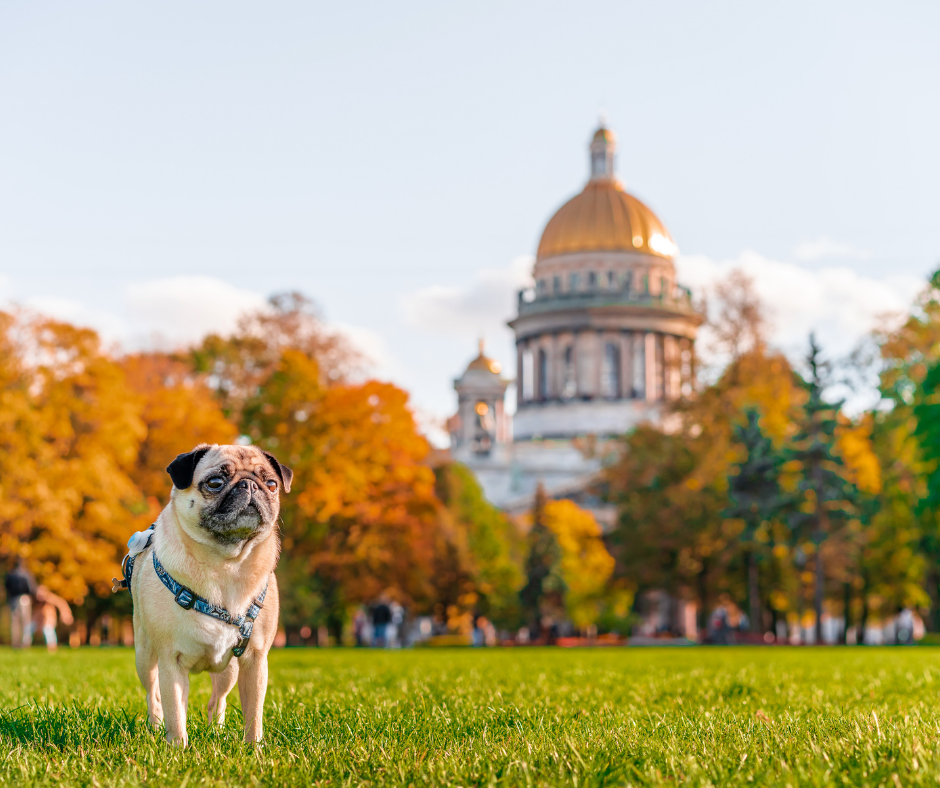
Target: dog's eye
<point>271,485</point>
<point>216,483</point>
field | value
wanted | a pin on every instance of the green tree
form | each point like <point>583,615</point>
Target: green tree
<point>755,499</point>
<point>485,545</point>
<point>544,589</point>
<point>828,499</point>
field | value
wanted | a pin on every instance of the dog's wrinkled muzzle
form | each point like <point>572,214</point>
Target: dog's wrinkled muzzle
<point>242,496</point>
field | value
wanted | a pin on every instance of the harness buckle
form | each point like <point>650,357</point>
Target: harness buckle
<point>245,629</point>
<point>185,598</point>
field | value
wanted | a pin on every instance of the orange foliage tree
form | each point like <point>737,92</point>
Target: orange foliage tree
<point>71,434</point>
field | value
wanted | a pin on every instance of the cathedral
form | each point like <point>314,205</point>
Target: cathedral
<point>602,340</point>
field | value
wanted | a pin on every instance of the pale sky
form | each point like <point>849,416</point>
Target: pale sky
<point>164,166</point>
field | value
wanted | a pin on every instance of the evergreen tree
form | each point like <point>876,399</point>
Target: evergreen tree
<point>828,498</point>
<point>544,588</point>
<point>754,493</point>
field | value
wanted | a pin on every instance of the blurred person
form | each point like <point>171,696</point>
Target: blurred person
<point>719,627</point>
<point>396,625</point>
<point>359,627</point>
<point>479,639</point>
<point>905,627</point>
<point>381,618</point>
<point>20,587</point>
<point>49,607</point>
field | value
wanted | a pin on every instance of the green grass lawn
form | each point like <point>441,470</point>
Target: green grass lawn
<point>851,716</point>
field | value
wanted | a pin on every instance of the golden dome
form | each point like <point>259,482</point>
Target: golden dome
<point>604,217</point>
<point>485,363</point>
<point>604,135</point>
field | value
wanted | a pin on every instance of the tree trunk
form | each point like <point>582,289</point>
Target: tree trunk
<point>753,592</point>
<point>846,611</point>
<point>934,590</point>
<point>818,596</point>
<point>863,621</point>
<point>703,596</point>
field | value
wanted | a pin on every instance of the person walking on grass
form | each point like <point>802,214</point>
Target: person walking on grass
<point>20,587</point>
<point>381,618</point>
<point>49,607</point>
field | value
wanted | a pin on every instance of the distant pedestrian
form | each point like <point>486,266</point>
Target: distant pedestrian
<point>905,627</point>
<point>381,618</point>
<point>359,627</point>
<point>20,587</point>
<point>397,625</point>
<point>49,608</point>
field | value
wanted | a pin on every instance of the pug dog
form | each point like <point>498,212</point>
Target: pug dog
<point>207,571</point>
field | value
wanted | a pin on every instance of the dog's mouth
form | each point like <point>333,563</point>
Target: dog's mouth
<point>238,518</point>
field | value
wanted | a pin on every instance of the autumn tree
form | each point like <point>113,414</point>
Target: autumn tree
<point>236,366</point>
<point>483,548</point>
<point>70,436</point>
<point>362,518</point>
<point>584,564</point>
<point>902,560</point>
<point>179,411</point>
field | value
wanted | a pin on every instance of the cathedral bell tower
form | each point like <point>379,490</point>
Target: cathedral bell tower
<point>480,429</point>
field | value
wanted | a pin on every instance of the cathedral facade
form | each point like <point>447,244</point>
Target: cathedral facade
<point>602,340</point>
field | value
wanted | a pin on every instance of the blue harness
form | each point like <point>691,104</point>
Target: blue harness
<point>188,599</point>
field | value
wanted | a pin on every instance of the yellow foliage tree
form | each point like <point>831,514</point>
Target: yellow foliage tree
<point>71,437</point>
<point>585,564</point>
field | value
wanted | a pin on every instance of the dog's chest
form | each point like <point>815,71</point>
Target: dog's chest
<point>208,646</point>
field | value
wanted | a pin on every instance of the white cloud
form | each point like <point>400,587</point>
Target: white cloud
<point>183,309</point>
<point>825,248</point>
<point>108,325</point>
<point>474,310</point>
<point>379,360</point>
<point>836,302</point>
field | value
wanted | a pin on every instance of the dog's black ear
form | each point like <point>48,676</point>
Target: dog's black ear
<point>285,473</point>
<point>181,470</point>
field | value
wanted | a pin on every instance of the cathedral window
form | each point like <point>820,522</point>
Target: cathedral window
<point>592,280</point>
<point>528,378</point>
<point>570,387</point>
<point>610,371</point>
<point>628,281</point>
<point>610,280</point>
<point>574,282</point>
<point>542,286</point>
<point>556,284</point>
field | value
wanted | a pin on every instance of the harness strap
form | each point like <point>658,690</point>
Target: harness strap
<point>136,545</point>
<point>188,599</point>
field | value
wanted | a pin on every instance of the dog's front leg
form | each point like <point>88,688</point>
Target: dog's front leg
<point>252,685</point>
<point>174,692</point>
<point>222,684</point>
<point>146,659</point>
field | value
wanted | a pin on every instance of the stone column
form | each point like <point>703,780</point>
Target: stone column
<point>598,362</point>
<point>554,366</point>
<point>650,352</point>
<point>671,361</point>
<point>626,364</point>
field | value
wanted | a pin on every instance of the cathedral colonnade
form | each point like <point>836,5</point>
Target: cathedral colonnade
<point>603,364</point>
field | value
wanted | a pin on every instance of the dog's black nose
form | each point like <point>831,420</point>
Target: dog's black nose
<point>247,484</point>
